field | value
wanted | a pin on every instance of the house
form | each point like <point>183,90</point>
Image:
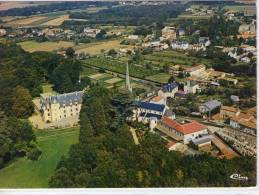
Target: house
<point>204,41</point>
<point>180,45</point>
<point>196,70</point>
<point>168,90</point>
<point>203,142</point>
<point>209,106</point>
<point>184,131</point>
<point>247,30</point>
<point>227,112</point>
<point>181,32</point>
<point>234,98</point>
<point>181,94</point>
<point>191,86</point>
<point>2,32</point>
<point>61,108</point>
<point>244,122</point>
<point>169,32</point>
<point>147,110</point>
<point>133,37</point>
<point>197,47</point>
<point>245,59</point>
<point>91,32</point>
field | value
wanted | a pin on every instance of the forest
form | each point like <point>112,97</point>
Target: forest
<point>53,7</point>
<point>106,155</point>
<point>131,15</point>
<point>21,77</point>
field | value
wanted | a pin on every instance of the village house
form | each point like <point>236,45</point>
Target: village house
<point>209,106</point>
<point>180,45</point>
<point>184,131</point>
<point>247,30</point>
<point>227,112</point>
<point>63,108</point>
<point>244,122</point>
<point>168,90</point>
<point>2,32</point>
<point>91,32</point>
<point>181,32</point>
<point>169,33</point>
<point>196,70</point>
<point>191,87</point>
<point>202,143</point>
<point>197,47</point>
<point>204,41</point>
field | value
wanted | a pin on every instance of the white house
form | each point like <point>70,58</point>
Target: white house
<point>184,131</point>
<point>2,32</point>
<point>191,87</point>
<point>168,90</point>
<point>181,45</point>
<point>89,32</point>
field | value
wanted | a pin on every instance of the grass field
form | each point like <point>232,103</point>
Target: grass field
<point>97,47</point>
<point>26,21</point>
<point>238,8</point>
<point>188,16</point>
<point>57,21</point>
<point>25,173</point>
<point>161,77</point>
<point>174,57</point>
<point>32,46</point>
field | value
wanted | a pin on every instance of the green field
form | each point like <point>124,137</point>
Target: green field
<point>161,77</point>
<point>24,173</point>
<point>32,46</point>
<point>174,57</point>
<point>238,8</point>
<point>120,67</point>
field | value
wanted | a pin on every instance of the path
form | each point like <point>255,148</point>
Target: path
<point>134,135</point>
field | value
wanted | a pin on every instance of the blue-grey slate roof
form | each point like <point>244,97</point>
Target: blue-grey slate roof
<point>211,105</point>
<point>151,106</point>
<point>66,98</point>
<point>150,115</point>
<point>169,87</point>
<point>201,140</point>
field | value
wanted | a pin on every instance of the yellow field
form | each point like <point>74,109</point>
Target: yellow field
<point>32,46</point>
<point>10,5</point>
<point>27,21</point>
<point>96,48</point>
<point>57,21</point>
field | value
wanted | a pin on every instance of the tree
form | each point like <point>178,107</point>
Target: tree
<point>70,52</point>
<point>22,105</point>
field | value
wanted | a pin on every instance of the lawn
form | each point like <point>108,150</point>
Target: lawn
<point>97,47</point>
<point>25,173</point>
<point>32,46</point>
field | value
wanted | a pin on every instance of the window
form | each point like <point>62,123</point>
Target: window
<point>65,116</point>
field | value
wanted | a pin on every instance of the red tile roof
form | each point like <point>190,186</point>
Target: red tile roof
<point>157,98</point>
<point>185,128</point>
